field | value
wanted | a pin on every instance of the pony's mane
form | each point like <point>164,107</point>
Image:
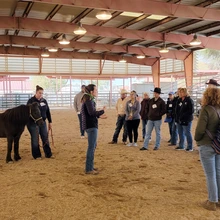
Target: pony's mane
<point>17,114</point>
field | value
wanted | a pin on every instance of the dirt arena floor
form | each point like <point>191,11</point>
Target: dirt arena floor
<point>132,184</point>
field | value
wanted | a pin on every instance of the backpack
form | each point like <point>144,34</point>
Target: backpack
<point>216,138</point>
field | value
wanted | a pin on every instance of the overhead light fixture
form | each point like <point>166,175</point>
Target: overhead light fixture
<point>123,60</point>
<point>52,49</point>
<point>64,41</point>
<point>104,15</point>
<point>140,56</point>
<point>156,17</point>
<point>164,49</point>
<point>79,30</point>
<point>195,41</point>
<point>45,54</point>
<point>131,14</point>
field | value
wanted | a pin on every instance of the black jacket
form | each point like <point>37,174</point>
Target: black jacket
<point>186,111</point>
<point>156,109</point>
<point>43,106</point>
<point>169,107</point>
<point>90,115</point>
<point>143,112</point>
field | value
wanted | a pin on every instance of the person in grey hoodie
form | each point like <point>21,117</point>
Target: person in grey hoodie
<point>77,107</point>
<point>132,118</point>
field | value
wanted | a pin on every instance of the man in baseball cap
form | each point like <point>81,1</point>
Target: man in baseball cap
<point>212,83</point>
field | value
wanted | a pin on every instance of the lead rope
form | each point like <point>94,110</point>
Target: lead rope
<point>47,141</point>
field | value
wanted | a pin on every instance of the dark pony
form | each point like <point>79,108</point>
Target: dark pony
<point>12,124</point>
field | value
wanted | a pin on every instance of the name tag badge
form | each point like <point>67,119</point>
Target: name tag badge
<point>42,104</point>
<point>170,105</point>
<point>180,104</point>
<point>154,106</point>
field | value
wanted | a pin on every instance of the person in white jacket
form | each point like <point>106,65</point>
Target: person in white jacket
<point>120,108</point>
<point>77,107</point>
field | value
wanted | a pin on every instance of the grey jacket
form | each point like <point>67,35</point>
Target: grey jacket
<point>133,110</point>
<point>77,101</point>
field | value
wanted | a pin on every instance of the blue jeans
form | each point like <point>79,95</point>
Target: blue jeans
<point>149,129</point>
<point>211,165</point>
<point>119,124</point>
<point>80,124</point>
<point>174,133</point>
<point>34,132</point>
<point>181,136</point>
<point>170,124</point>
<point>185,131</point>
<point>92,142</point>
<point>144,123</point>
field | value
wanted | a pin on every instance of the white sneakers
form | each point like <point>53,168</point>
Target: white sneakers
<point>132,144</point>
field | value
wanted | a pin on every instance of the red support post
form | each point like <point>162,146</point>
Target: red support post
<point>156,73</point>
<point>188,70</point>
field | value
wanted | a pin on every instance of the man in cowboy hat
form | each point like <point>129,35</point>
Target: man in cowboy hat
<point>156,108</point>
<point>120,108</point>
<point>212,83</point>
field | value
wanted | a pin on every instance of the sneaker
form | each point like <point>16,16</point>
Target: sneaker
<point>82,137</point>
<point>171,144</point>
<point>189,149</point>
<point>112,142</point>
<point>179,148</point>
<point>156,148</point>
<point>93,172</point>
<point>143,148</point>
<point>129,144</point>
<point>135,144</point>
<point>38,158</point>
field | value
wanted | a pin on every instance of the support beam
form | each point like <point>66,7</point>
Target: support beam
<point>41,42</point>
<point>156,73</point>
<point>204,27</point>
<point>31,24</point>
<point>75,55</point>
<point>146,7</point>
<point>188,70</point>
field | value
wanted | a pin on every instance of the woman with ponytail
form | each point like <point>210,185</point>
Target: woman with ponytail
<point>90,124</point>
<point>35,130</point>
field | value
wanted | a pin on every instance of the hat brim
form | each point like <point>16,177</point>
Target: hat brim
<point>156,92</point>
<point>216,84</point>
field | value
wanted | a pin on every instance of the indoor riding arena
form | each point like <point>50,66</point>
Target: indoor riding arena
<point>118,46</point>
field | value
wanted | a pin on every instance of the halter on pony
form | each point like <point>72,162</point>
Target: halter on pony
<point>35,120</point>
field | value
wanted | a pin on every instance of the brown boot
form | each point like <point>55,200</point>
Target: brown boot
<point>209,205</point>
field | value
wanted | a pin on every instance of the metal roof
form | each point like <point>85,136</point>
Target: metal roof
<point>39,24</point>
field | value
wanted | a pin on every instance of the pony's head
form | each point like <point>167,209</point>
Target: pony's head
<point>35,114</point>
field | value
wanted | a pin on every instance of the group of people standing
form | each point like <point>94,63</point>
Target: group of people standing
<point>179,111</point>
